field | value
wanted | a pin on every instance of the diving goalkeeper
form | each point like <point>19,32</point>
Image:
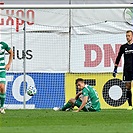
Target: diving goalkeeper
<point>86,99</point>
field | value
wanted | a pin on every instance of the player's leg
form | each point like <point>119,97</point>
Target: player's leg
<point>132,92</point>
<point>72,102</point>
<point>78,103</point>
<point>129,95</point>
<point>132,84</point>
<point>69,104</point>
<point>127,77</point>
<point>2,94</point>
<point>2,91</point>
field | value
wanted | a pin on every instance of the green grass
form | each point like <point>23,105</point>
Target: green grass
<point>49,121</point>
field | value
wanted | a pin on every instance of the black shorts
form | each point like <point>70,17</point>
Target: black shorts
<point>127,76</point>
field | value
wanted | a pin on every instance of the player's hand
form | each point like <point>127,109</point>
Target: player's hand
<point>7,67</point>
<point>115,71</point>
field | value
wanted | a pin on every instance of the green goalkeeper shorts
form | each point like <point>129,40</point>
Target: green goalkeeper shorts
<point>3,77</point>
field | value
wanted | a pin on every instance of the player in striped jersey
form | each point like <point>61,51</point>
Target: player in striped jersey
<point>86,100</point>
<point>3,67</point>
<point>90,99</point>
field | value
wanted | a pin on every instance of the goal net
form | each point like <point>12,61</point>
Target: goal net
<point>59,46</point>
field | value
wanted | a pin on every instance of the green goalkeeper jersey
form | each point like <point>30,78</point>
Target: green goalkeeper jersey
<point>93,99</point>
<point>3,47</point>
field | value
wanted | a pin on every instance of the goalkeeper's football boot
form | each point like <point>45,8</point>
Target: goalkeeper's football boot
<point>2,111</point>
<point>129,108</point>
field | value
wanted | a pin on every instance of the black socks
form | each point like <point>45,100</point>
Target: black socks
<point>129,97</point>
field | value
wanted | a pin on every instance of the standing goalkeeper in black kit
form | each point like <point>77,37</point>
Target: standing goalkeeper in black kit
<point>127,50</point>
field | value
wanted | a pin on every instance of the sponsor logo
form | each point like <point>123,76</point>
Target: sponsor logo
<point>128,15</point>
<point>16,18</point>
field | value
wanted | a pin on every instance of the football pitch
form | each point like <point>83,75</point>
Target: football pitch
<point>49,121</point>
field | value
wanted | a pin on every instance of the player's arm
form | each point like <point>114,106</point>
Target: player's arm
<point>78,94</point>
<point>83,103</point>
<point>121,51</point>
<point>7,67</point>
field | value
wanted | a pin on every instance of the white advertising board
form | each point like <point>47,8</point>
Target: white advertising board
<point>95,40</point>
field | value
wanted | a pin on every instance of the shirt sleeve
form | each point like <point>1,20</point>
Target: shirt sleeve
<point>119,55</point>
<point>6,47</point>
<point>85,92</point>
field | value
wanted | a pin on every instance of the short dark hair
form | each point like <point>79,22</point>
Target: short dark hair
<point>79,80</point>
<point>129,31</point>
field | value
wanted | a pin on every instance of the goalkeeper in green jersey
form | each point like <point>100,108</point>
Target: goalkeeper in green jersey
<point>3,67</point>
<point>86,99</point>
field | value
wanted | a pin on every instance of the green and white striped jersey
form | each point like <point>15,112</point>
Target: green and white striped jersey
<point>93,98</point>
<point>3,47</point>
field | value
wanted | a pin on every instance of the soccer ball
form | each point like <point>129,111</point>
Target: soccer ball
<point>31,91</point>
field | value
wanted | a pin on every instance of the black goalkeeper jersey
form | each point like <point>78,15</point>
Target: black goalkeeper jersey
<point>127,50</point>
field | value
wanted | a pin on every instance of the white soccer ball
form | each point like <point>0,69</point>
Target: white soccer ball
<point>31,91</point>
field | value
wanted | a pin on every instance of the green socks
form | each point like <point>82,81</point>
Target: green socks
<point>66,106</point>
<point>77,103</point>
<point>2,98</point>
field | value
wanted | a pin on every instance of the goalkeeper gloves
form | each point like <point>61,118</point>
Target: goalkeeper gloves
<point>115,71</point>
